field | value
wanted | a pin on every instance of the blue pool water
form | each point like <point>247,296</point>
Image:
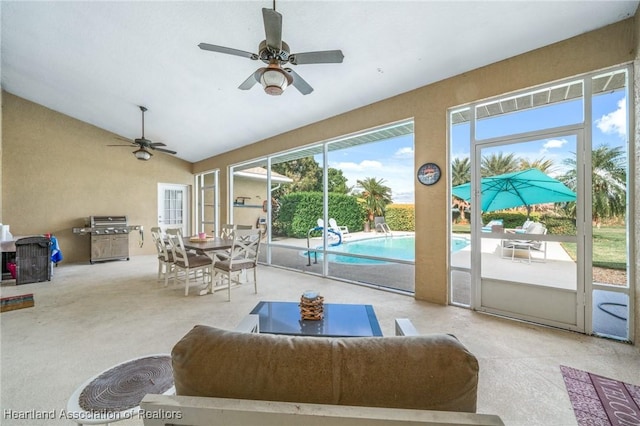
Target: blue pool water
<point>400,248</point>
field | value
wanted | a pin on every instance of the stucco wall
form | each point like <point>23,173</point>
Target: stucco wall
<point>428,106</point>
<point>57,171</point>
<point>252,211</point>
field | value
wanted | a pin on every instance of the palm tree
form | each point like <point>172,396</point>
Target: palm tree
<point>499,164</point>
<point>608,180</point>
<point>460,171</point>
<point>460,174</point>
<point>544,165</point>
<point>376,196</point>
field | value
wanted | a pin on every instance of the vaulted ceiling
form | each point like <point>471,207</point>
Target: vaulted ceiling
<point>99,61</point>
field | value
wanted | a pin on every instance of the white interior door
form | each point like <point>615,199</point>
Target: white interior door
<point>173,207</point>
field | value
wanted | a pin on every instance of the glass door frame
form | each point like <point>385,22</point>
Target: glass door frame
<point>200,189</point>
<point>476,219</point>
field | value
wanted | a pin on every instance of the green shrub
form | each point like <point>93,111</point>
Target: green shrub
<point>559,225</point>
<point>299,212</point>
<point>401,217</point>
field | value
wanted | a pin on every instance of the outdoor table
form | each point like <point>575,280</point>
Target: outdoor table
<point>340,320</point>
<point>115,394</point>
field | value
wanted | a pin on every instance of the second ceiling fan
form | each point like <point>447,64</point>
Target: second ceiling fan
<point>144,144</point>
<point>276,53</point>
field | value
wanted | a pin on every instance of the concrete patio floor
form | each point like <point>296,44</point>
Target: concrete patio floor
<point>91,317</point>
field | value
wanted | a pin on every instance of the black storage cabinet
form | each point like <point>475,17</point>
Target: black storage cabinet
<point>33,260</point>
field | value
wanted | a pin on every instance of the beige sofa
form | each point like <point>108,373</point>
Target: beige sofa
<point>433,378</point>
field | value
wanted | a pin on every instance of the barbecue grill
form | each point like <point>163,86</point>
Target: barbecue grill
<point>109,237</point>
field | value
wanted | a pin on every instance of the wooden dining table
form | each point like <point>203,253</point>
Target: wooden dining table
<point>211,244</point>
<point>208,246</point>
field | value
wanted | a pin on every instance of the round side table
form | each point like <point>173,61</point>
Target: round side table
<point>115,394</point>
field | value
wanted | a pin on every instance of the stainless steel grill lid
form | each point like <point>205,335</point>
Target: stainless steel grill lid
<point>108,221</point>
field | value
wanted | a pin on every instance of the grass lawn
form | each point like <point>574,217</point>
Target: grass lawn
<point>609,247</point>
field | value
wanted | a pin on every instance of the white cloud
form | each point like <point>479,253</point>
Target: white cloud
<point>361,166</point>
<point>406,152</point>
<point>554,143</point>
<point>614,122</point>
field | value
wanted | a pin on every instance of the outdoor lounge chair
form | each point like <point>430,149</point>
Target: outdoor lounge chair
<point>495,225</point>
<point>343,230</point>
<point>528,245</point>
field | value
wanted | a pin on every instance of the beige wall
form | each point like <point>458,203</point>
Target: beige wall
<point>252,211</point>
<point>57,171</point>
<point>428,106</point>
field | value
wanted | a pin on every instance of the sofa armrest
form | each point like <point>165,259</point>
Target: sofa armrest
<point>160,410</point>
<point>249,324</point>
<point>404,327</point>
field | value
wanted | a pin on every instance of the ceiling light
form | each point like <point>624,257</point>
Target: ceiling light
<point>274,80</point>
<point>142,154</point>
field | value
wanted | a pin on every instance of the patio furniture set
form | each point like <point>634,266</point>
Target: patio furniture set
<point>219,261</point>
<point>274,369</point>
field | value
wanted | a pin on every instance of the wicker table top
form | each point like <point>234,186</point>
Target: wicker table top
<point>123,386</point>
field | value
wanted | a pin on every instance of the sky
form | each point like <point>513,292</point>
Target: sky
<point>392,159</point>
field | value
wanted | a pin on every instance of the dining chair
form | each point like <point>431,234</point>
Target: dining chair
<point>189,264</point>
<point>226,232</point>
<point>243,256</point>
<point>165,255</point>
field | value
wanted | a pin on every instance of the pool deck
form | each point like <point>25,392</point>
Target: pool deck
<point>558,270</point>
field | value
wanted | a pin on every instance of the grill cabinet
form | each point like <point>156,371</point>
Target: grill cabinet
<point>109,238</point>
<point>33,260</point>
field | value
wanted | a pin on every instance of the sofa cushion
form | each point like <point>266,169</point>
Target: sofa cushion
<point>430,372</point>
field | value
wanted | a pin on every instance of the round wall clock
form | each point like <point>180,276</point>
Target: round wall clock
<point>429,173</point>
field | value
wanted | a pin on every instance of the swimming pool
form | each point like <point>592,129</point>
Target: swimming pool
<point>397,248</point>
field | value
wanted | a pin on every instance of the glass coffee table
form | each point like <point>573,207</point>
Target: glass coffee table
<point>340,320</point>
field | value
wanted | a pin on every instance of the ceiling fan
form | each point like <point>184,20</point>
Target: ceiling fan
<point>276,53</point>
<point>142,153</point>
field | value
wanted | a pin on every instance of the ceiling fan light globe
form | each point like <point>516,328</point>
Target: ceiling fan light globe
<point>274,81</point>
<point>142,154</point>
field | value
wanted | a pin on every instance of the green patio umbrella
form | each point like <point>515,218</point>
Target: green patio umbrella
<point>522,188</point>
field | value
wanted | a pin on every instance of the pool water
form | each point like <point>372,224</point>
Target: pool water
<point>398,248</point>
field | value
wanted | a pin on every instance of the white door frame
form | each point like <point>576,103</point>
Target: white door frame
<point>180,214</point>
<point>540,304</point>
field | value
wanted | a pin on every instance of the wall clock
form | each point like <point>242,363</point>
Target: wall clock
<point>429,173</point>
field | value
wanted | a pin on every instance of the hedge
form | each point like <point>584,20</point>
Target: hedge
<point>299,212</point>
<point>401,217</point>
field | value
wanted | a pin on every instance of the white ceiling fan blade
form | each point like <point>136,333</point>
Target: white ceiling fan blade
<point>322,57</point>
<point>272,28</point>
<point>227,50</point>
<point>252,80</point>
<point>299,83</point>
